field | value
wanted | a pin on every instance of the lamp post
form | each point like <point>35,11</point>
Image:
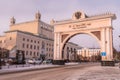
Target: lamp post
<point>119,46</point>
<point>0,58</point>
<point>0,61</point>
<point>119,37</point>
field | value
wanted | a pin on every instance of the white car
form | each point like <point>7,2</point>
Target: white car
<point>37,61</point>
<point>30,61</point>
<point>47,62</point>
<point>34,61</point>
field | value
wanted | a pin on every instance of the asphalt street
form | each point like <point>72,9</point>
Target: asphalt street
<point>62,73</point>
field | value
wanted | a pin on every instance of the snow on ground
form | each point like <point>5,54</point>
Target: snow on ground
<point>97,73</point>
<point>31,67</point>
<point>90,73</point>
<point>15,68</point>
<point>71,63</point>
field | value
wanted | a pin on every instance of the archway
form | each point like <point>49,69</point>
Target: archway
<point>85,48</point>
<point>100,27</point>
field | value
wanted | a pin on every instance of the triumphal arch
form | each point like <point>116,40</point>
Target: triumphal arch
<point>98,26</point>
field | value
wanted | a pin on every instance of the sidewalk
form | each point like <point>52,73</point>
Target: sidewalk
<point>28,68</point>
<point>33,67</point>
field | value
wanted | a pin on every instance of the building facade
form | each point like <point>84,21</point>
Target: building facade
<point>70,51</point>
<point>88,54</point>
<point>31,38</point>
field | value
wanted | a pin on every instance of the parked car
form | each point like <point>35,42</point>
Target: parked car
<point>30,61</point>
<point>34,61</point>
<point>47,61</point>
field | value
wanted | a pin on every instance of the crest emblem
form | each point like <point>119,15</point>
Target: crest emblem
<point>78,15</point>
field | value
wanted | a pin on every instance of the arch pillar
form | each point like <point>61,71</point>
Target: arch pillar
<point>57,49</point>
<point>107,45</point>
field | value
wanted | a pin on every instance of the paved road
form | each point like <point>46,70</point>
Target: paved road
<point>63,73</point>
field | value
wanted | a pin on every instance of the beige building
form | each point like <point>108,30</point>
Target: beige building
<point>88,53</point>
<point>32,38</point>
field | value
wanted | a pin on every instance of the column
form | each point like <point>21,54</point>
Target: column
<point>109,44</point>
<point>57,49</point>
<point>103,42</point>
<point>55,46</point>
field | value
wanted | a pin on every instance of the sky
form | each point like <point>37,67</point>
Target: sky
<point>24,10</point>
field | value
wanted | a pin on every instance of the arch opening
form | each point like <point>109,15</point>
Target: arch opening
<point>81,47</point>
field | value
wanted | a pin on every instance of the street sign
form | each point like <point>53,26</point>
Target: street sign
<point>103,53</point>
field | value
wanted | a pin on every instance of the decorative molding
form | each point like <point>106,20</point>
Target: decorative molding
<point>97,34</point>
<point>63,37</point>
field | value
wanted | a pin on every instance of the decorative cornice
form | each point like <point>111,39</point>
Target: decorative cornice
<point>25,22</point>
<point>29,34</point>
<point>88,18</point>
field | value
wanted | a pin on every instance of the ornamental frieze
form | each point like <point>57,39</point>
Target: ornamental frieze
<point>78,26</point>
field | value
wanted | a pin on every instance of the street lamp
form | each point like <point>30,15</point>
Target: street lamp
<point>119,46</point>
<point>0,58</point>
<point>119,37</point>
<point>0,61</point>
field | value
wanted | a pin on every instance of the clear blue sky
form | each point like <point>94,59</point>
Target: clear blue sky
<point>24,10</point>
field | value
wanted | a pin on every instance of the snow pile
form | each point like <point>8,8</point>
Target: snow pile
<point>97,73</point>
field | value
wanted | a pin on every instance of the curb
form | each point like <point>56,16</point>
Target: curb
<point>33,69</point>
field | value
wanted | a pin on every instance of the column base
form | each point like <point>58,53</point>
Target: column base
<point>107,63</point>
<point>58,62</point>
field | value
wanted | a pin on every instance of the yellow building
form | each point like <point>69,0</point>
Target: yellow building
<point>31,38</point>
<point>88,53</point>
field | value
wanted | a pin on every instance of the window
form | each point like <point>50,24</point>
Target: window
<point>10,38</point>
<point>38,42</point>
<point>30,46</point>
<point>31,40</point>
<point>43,45</point>
<point>34,41</point>
<point>23,39</point>
<point>27,39</point>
